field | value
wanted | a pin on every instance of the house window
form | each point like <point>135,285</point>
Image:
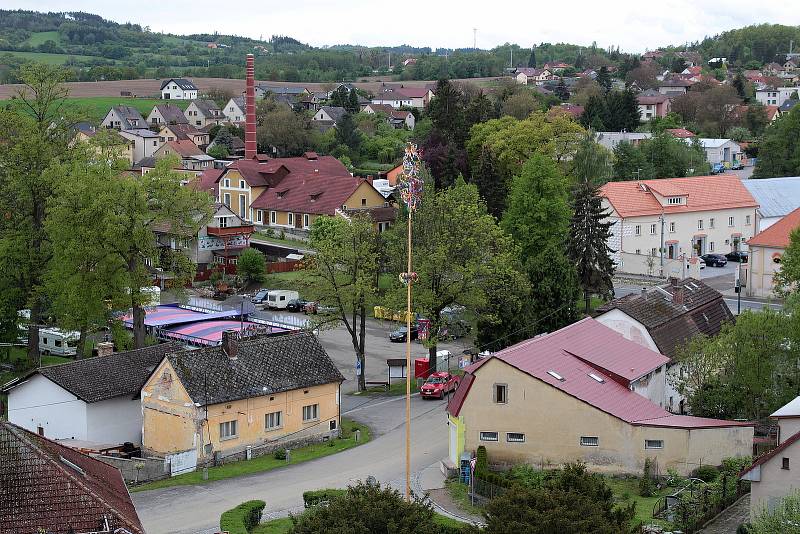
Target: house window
<point>273,420</point>
<point>590,441</point>
<point>674,200</point>
<point>241,184</point>
<point>515,437</point>
<point>653,251</point>
<point>652,229</point>
<point>228,430</point>
<point>500,393</point>
<point>363,201</point>
<point>654,444</point>
<point>672,227</point>
<point>383,226</point>
<point>226,182</point>
<point>711,246</point>
<point>223,222</point>
<point>310,413</point>
<point>332,424</point>
<point>730,221</point>
<point>291,219</point>
<point>711,222</point>
<point>638,251</point>
<point>273,217</point>
<point>747,220</point>
<point>259,216</point>
<point>155,142</point>
<point>488,436</point>
<point>242,207</point>
<point>637,230</point>
<point>785,464</point>
<point>700,224</point>
<point>305,220</point>
<point>226,199</point>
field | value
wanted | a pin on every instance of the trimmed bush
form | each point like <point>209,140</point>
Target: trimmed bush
<point>706,473</point>
<point>242,519</point>
<point>313,498</point>
<point>481,461</point>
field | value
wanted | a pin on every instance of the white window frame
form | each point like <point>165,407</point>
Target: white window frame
<point>229,430</point>
<point>590,441</point>
<point>306,220</point>
<point>243,207</point>
<point>654,444</point>
<point>310,413</point>
<point>652,229</point>
<point>223,222</point>
<point>637,229</point>
<point>273,217</point>
<point>488,435</point>
<point>259,216</point>
<point>672,227</point>
<point>273,420</point>
<point>711,222</point>
<point>226,182</point>
<point>711,246</point>
<point>496,388</point>
<point>699,224</point>
<point>731,220</point>
<point>226,199</point>
<point>747,220</point>
<point>290,219</point>
<point>519,437</point>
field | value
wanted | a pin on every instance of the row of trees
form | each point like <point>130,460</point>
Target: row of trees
<point>76,236</point>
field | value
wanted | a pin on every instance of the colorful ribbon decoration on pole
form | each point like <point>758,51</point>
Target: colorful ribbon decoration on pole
<point>410,184</point>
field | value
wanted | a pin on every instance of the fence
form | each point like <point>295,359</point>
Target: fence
<point>691,510</point>
<point>486,489</point>
<point>284,266</point>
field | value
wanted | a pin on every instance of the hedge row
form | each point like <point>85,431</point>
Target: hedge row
<point>313,498</point>
<point>243,518</point>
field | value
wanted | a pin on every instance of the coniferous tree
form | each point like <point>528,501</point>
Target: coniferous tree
<point>532,59</point>
<point>490,183</point>
<point>589,231</point>
<point>595,114</point>
<point>352,102</point>
<point>347,134</point>
<point>604,78</point>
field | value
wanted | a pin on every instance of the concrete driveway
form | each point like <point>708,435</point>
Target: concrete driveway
<point>196,509</point>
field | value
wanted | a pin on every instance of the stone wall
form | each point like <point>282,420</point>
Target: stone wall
<point>151,468</point>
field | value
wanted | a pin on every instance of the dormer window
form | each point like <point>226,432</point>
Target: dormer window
<point>674,200</point>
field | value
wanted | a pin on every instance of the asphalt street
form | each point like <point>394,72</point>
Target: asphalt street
<point>196,509</point>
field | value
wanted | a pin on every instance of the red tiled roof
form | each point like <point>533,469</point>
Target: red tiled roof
<point>703,193</point>
<point>779,233</point>
<point>45,485</point>
<point>680,132</point>
<point>772,111</point>
<point>208,181</point>
<point>588,347</point>
<point>764,458</point>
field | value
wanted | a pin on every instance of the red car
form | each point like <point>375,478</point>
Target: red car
<point>438,385</point>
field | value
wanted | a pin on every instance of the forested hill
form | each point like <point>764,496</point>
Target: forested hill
<point>98,49</point>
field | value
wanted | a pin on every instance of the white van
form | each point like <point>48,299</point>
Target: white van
<point>279,298</point>
<point>59,342</point>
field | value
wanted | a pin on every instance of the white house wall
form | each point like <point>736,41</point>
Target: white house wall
<point>115,420</point>
<point>39,402</point>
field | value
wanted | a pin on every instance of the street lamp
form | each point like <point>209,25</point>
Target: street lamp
<point>410,186</point>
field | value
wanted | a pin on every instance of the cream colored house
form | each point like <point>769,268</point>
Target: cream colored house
<point>677,218</point>
<point>766,250</point>
<point>204,112</point>
<point>234,110</point>
<point>566,397</point>
<point>774,475</point>
<point>256,393</point>
<point>289,193</point>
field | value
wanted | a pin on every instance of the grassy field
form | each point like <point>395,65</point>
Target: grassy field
<point>38,38</point>
<point>268,462</point>
<point>51,59</point>
<point>284,524</point>
<point>95,108</point>
<point>396,388</point>
<point>627,489</point>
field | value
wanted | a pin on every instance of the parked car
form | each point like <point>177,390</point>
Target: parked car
<point>399,335</point>
<point>438,385</point>
<point>296,305</point>
<point>715,260</point>
<point>737,255</point>
<point>717,168</point>
<point>260,297</point>
<point>317,308</point>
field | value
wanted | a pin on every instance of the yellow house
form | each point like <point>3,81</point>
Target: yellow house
<point>289,193</point>
<point>766,251</point>
<point>256,393</point>
<point>106,143</point>
<point>567,396</point>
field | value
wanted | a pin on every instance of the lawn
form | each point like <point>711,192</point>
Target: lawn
<point>626,489</point>
<point>274,238</point>
<point>284,524</point>
<point>268,462</point>
<point>396,388</point>
<point>95,108</point>
<point>459,492</point>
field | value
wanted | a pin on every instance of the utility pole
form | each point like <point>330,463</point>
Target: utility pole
<point>474,39</point>
<point>739,287</point>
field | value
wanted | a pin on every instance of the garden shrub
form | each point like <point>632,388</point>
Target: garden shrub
<point>706,473</point>
<point>313,498</point>
<point>481,461</point>
<point>646,484</point>
<point>242,519</point>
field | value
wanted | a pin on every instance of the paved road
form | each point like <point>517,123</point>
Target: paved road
<point>729,519</point>
<point>196,509</point>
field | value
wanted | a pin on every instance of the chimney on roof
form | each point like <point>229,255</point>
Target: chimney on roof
<point>230,344</point>
<point>105,348</point>
<point>673,281</point>
<point>250,148</point>
<point>644,291</point>
<point>677,295</point>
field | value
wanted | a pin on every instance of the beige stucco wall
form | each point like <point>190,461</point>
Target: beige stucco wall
<point>761,270</point>
<point>172,423</point>
<point>553,423</point>
<point>775,482</point>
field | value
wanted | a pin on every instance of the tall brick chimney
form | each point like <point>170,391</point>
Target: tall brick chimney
<point>230,343</point>
<point>250,147</point>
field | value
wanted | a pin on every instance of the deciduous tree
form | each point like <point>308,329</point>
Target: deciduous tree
<point>251,265</point>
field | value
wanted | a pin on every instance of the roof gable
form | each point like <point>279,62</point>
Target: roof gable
<point>777,235</point>
<point>182,83</point>
<point>45,485</point>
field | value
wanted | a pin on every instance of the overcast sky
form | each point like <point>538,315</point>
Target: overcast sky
<point>633,25</point>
